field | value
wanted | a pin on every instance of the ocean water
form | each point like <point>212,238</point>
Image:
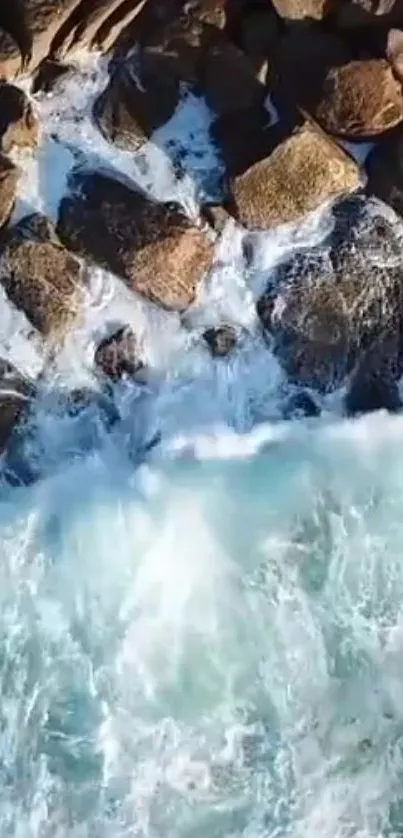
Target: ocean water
<point>202,640</point>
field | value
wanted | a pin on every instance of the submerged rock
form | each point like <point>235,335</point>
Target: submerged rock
<point>302,173</point>
<point>327,307</point>
<point>19,126</point>
<point>40,276</point>
<point>221,340</point>
<point>153,247</point>
<point>118,355</point>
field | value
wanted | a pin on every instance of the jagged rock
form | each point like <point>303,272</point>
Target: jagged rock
<point>34,24</point>
<point>48,74</point>
<point>303,172</point>
<point>89,18</point>
<point>118,355</point>
<point>40,277</point>
<point>19,125</point>
<point>385,171</point>
<point>221,340</point>
<point>16,393</point>
<point>394,52</point>
<point>304,9</point>
<point>376,13</point>
<point>9,177</point>
<point>140,97</point>
<point>153,247</point>
<point>327,307</point>
<point>360,99</point>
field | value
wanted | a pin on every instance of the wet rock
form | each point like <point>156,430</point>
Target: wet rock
<point>302,173</point>
<point>360,99</point>
<point>304,9</point>
<point>9,177</point>
<point>34,24</point>
<point>19,125</point>
<point>118,355</point>
<point>394,52</point>
<point>153,247</point>
<point>140,97</point>
<point>374,384</point>
<point>228,81</point>
<point>16,394</point>
<point>327,308</point>
<point>117,25</point>
<point>215,12</point>
<point>88,19</point>
<point>48,74</point>
<point>385,171</point>
<point>243,138</point>
<point>221,340</point>
<point>301,405</point>
<point>40,277</point>
<point>259,36</point>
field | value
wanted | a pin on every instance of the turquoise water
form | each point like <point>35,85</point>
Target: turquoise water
<point>210,645</point>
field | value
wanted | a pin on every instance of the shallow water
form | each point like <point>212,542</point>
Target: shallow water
<point>208,642</point>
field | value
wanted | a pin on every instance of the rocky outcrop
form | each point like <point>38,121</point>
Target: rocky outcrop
<point>39,276</point>
<point>118,355</point>
<point>9,177</point>
<point>153,247</point>
<point>360,99</point>
<point>221,340</point>
<point>328,308</point>
<point>19,125</point>
<point>304,9</point>
<point>302,173</point>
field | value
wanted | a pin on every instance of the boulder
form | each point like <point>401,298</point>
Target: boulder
<point>19,125</point>
<point>304,9</point>
<point>326,308</point>
<point>88,19</point>
<point>34,24</point>
<point>360,99</point>
<point>9,177</point>
<point>385,171</point>
<point>259,33</point>
<point>153,247</point>
<point>221,340</point>
<point>394,52</point>
<point>39,276</point>
<point>118,355</point>
<point>301,174</point>
<point>11,58</point>
<point>16,393</point>
<point>227,79</point>
<point>244,137</point>
<point>140,97</point>
<point>374,383</point>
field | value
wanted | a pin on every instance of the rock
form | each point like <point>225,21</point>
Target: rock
<point>373,385</point>
<point>9,177</point>
<point>243,138</point>
<point>366,13</point>
<point>19,125</point>
<point>48,74</point>
<point>394,51</point>
<point>300,175</point>
<point>360,99</point>
<point>221,340</point>
<point>153,247</point>
<point>214,12</point>
<point>39,276</point>
<point>117,25</point>
<point>16,393</point>
<point>133,106</point>
<point>259,36</point>
<point>326,308</point>
<point>10,57</point>
<point>385,171</point>
<point>118,355</point>
<point>227,79</point>
<point>304,9</point>
<point>88,19</point>
<point>301,405</point>
<point>34,25</point>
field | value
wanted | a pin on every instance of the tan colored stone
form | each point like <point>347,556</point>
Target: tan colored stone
<point>10,57</point>
<point>19,126</point>
<point>35,24</point>
<point>302,173</point>
<point>303,9</point>
<point>9,177</point>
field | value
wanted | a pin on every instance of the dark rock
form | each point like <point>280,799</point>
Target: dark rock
<point>301,405</point>
<point>302,173</point>
<point>9,177</point>
<point>16,394</point>
<point>221,340</point>
<point>327,308</point>
<point>360,99</point>
<point>259,36</point>
<point>243,138</point>
<point>19,125</point>
<point>153,247</point>
<point>39,275</point>
<point>118,355</point>
<point>227,79</point>
<point>385,171</point>
<point>369,13</point>
<point>48,74</point>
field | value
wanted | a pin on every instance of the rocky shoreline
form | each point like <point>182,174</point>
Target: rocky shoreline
<point>288,85</point>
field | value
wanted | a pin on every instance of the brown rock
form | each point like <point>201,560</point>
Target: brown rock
<point>9,177</point>
<point>19,125</point>
<point>34,24</point>
<point>153,247</point>
<point>221,340</point>
<point>132,107</point>
<point>118,355</point>
<point>10,56</point>
<point>303,172</point>
<point>394,51</point>
<point>89,18</point>
<point>360,99</point>
<point>40,277</point>
<point>227,79</point>
<point>303,9</point>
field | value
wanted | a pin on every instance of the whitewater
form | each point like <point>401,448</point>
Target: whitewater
<point>201,605</point>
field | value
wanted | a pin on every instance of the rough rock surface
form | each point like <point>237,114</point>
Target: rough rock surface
<point>385,171</point>
<point>89,18</point>
<point>140,97</point>
<point>118,355</point>
<point>394,51</point>
<point>34,24</point>
<point>19,125</point>
<point>327,308</point>
<point>302,173</point>
<point>9,177</point>
<point>11,58</point>
<point>16,392</point>
<point>221,340</point>
<point>304,9</point>
<point>360,99</point>
<point>40,277</point>
<point>153,247</point>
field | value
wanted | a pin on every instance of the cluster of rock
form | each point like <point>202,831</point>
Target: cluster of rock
<point>333,69</point>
